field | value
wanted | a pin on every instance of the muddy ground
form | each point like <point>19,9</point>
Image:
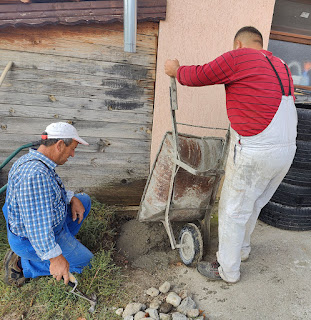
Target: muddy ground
<point>275,281</point>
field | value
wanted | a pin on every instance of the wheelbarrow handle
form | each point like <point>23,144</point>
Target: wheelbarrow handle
<point>174,107</point>
<point>173,94</point>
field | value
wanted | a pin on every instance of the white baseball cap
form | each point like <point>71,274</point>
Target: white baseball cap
<point>62,130</point>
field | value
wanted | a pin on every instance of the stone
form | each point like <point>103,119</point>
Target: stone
<point>164,316</point>
<point>131,309</point>
<point>200,318</point>
<point>139,315</point>
<point>178,316</point>
<point>165,287</point>
<point>186,305</point>
<point>128,318</point>
<point>173,298</point>
<point>153,313</point>
<point>162,297</point>
<point>119,311</point>
<point>192,313</point>
<point>153,292</point>
<point>184,294</point>
<point>155,304</point>
<point>165,307</point>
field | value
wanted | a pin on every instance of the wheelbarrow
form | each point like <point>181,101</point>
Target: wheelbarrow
<point>183,184</point>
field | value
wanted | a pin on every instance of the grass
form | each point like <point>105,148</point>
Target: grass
<point>44,298</point>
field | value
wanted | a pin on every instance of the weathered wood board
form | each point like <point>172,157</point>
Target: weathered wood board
<point>80,74</point>
<point>71,12</point>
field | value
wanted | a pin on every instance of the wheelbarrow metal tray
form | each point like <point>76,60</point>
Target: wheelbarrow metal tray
<point>192,193</point>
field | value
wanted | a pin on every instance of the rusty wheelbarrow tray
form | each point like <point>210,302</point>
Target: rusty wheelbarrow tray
<point>183,184</point>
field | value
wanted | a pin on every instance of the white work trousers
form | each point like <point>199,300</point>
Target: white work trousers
<point>255,167</point>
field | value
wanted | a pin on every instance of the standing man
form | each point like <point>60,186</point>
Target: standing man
<point>42,217</point>
<point>263,118</point>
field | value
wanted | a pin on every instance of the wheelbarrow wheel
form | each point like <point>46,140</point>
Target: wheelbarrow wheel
<point>191,244</point>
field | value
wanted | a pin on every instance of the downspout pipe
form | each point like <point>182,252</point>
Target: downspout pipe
<point>130,25</point>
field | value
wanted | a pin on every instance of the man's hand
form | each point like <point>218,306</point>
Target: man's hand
<point>77,209</point>
<point>171,67</point>
<point>59,268</point>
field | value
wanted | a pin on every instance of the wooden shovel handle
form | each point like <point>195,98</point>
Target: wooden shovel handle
<point>5,71</point>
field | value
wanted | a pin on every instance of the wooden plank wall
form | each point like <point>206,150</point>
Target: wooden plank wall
<point>69,13</point>
<point>80,74</point>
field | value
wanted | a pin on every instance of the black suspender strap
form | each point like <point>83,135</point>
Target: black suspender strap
<point>289,89</point>
<point>282,88</point>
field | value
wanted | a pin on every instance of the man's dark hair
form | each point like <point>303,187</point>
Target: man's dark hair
<point>250,30</point>
<point>50,142</point>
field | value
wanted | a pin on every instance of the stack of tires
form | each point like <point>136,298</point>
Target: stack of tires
<point>290,206</point>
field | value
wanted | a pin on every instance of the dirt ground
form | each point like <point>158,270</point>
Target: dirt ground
<point>275,281</point>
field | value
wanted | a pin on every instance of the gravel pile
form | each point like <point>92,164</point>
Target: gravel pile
<point>163,304</point>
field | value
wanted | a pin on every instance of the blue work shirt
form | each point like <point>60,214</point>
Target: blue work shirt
<point>37,202</point>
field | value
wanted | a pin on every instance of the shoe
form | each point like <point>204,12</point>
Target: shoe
<point>209,270</point>
<point>244,256</point>
<point>13,275</point>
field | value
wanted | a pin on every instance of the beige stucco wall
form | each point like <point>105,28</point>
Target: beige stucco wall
<point>196,32</point>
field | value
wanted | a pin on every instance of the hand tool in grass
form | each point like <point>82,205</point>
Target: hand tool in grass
<point>73,283</point>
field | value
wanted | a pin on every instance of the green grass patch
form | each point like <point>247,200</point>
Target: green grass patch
<point>99,229</point>
<point>45,298</point>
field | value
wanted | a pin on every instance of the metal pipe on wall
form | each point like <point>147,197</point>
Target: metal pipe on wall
<point>130,25</point>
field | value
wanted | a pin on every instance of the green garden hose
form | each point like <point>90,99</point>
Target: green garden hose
<point>12,155</point>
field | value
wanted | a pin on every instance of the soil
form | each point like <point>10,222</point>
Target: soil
<point>146,246</point>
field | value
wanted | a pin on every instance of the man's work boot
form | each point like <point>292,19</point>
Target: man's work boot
<point>209,270</point>
<point>13,274</point>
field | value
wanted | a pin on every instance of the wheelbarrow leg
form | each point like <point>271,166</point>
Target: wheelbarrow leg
<point>206,225</point>
<point>207,229</point>
<point>174,107</point>
<point>166,222</point>
<point>207,217</point>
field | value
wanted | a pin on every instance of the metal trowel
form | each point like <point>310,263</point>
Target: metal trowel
<point>73,283</point>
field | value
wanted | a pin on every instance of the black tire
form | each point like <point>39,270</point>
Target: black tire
<point>290,206</point>
<point>302,159</point>
<point>190,239</point>
<point>303,151</point>
<point>304,124</point>
<point>298,177</point>
<point>292,195</point>
<point>286,217</point>
<point>306,106</point>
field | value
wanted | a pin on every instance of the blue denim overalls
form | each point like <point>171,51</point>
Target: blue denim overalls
<point>77,255</point>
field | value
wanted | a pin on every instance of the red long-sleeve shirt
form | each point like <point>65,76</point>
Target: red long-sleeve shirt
<point>253,92</point>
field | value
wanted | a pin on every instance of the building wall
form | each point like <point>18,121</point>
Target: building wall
<point>196,32</point>
<point>81,74</point>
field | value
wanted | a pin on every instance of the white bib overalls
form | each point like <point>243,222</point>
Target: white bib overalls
<point>255,167</point>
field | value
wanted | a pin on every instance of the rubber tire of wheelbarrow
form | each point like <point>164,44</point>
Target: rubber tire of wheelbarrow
<point>192,230</point>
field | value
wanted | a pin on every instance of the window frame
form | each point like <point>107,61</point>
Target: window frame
<point>293,37</point>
